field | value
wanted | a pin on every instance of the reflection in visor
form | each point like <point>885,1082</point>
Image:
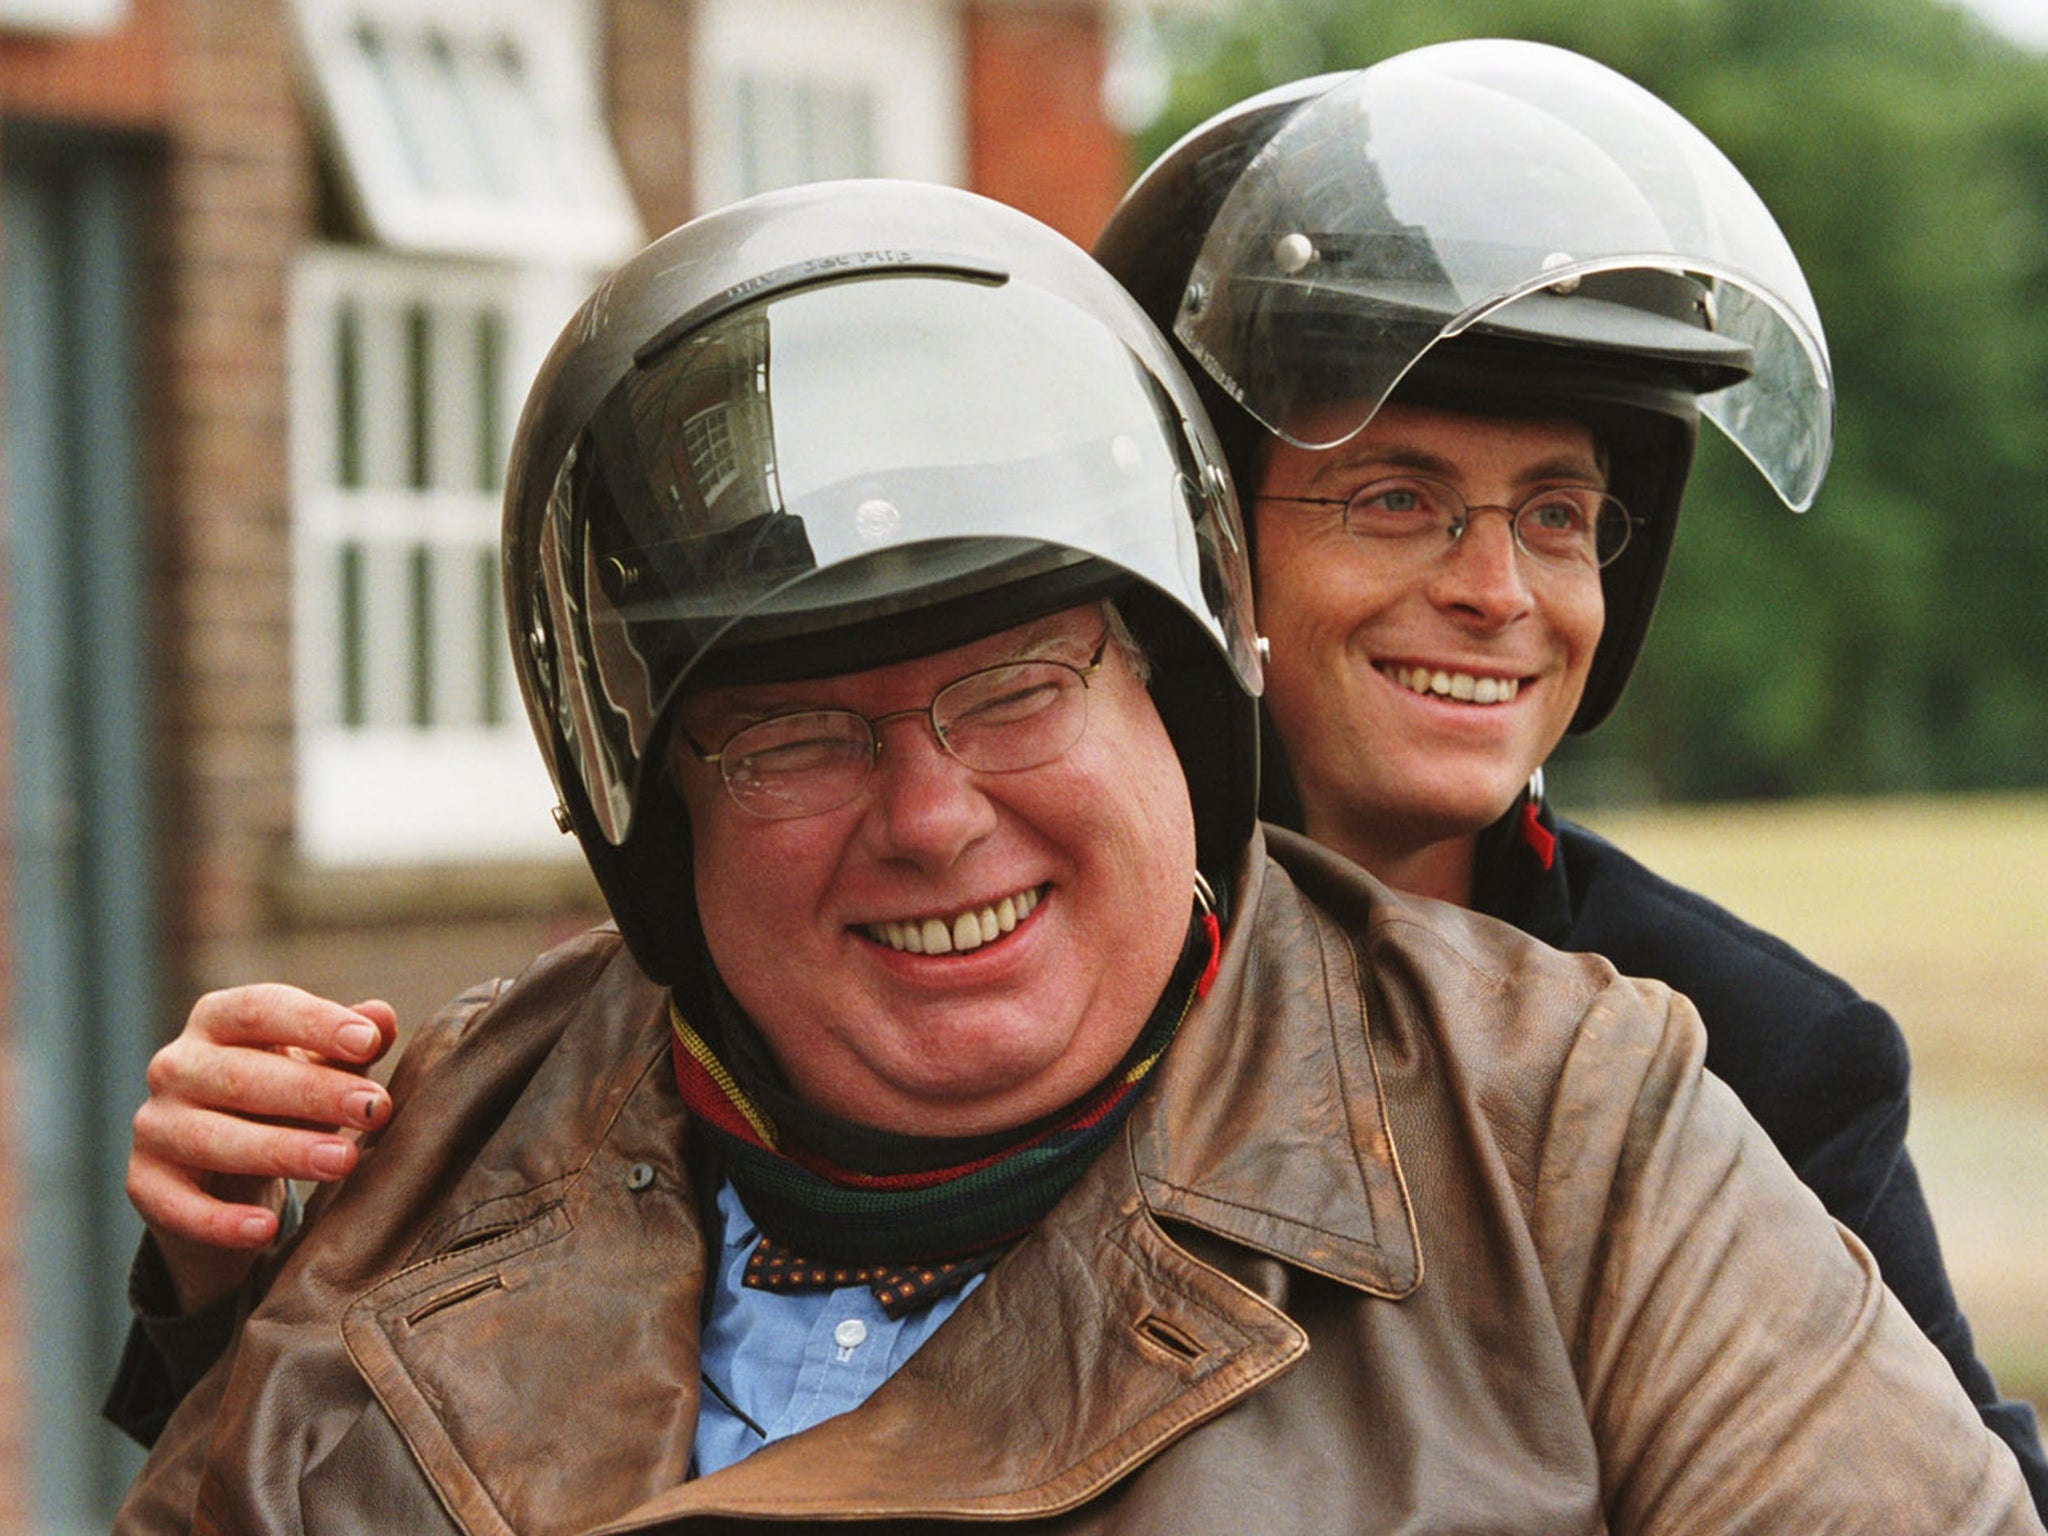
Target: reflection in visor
<point>855,448</point>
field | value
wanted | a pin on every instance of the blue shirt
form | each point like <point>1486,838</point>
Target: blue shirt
<point>788,1360</point>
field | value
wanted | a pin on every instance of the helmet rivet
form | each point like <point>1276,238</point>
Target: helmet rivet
<point>876,519</point>
<point>562,822</point>
<point>1551,263</point>
<point>1293,252</point>
<point>1125,452</point>
<point>1195,300</point>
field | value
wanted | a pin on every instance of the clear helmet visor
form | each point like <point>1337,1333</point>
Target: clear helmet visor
<point>1480,184</point>
<point>852,458</point>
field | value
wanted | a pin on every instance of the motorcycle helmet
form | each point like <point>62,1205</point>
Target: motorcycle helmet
<point>836,427</point>
<point>1495,227</point>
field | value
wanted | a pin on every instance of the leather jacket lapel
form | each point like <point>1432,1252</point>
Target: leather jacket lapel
<point>1099,1340</point>
<point>547,1362</point>
<point>1092,1344</point>
<point>1287,1151</point>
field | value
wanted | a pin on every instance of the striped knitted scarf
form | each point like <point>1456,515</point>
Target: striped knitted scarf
<point>834,1191</point>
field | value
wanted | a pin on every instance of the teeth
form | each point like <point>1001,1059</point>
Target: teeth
<point>1462,686</point>
<point>966,930</point>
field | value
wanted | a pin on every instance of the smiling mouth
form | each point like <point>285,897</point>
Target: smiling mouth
<point>1464,687</point>
<point>959,933</point>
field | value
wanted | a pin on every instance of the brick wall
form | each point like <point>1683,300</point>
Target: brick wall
<point>241,201</point>
<point>647,62</point>
<point>232,197</point>
<point>1036,134</point>
<point>119,79</point>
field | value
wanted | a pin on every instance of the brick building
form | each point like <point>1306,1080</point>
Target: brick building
<point>274,275</point>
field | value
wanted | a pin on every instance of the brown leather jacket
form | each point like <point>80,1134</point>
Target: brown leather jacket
<point>1422,1228</point>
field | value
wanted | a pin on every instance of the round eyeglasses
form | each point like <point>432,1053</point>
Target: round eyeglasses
<point>1000,719</point>
<point>1561,526</point>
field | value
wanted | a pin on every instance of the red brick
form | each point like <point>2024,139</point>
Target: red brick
<point>647,77</point>
<point>1037,137</point>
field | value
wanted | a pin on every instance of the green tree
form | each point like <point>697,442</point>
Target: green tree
<point>1892,638</point>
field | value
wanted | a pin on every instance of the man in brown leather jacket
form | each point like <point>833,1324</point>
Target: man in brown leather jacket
<point>971,1117</point>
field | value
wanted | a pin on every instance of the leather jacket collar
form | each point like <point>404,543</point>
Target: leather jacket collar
<point>1266,1129</point>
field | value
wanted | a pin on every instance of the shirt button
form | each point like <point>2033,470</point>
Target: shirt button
<point>850,1333</point>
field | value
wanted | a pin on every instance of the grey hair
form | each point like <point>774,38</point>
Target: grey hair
<point>1121,637</point>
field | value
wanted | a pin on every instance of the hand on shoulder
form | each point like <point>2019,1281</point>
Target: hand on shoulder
<point>265,1083</point>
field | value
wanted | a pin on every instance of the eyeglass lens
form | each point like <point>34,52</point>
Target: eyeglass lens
<point>1000,719</point>
<point>1558,525</point>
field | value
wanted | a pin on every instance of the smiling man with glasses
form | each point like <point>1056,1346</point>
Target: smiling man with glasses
<point>1484,277</point>
<point>1167,1183</point>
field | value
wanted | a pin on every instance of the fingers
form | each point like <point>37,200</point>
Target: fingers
<point>212,1149</point>
<point>274,1016</point>
<point>276,1053</point>
<point>174,1207</point>
<point>385,1017</point>
<point>265,1083</point>
<point>207,1245</point>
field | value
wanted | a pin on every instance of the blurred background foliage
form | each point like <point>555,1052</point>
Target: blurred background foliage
<point>1893,638</point>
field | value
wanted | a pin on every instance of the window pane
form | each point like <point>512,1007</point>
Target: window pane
<point>348,426</point>
<point>412,742</point>
<point>795,90</point>
<point>472,129</point>
<point>792,129</point>
<point>349,577</point>
<point>420,572</point>
<point>491,658</point>
<point>489,386</point>
<point>419,395</point>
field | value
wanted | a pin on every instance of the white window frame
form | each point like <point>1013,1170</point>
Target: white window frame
<point>469,136</point>
<point>468,128</point>
<point>399,761</point>
<point>906,59</point>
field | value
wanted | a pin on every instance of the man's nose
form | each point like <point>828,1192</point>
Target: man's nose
<point>928,806</point>
<point>1484,572</point>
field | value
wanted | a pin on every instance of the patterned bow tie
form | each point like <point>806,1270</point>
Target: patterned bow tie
<point>900,1288</point>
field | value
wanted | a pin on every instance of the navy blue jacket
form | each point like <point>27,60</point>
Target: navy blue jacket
<point>1822,1069</point>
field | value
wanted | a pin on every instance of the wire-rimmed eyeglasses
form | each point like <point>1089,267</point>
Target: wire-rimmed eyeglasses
<point>1561,526</point>
<point>998,719</point>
